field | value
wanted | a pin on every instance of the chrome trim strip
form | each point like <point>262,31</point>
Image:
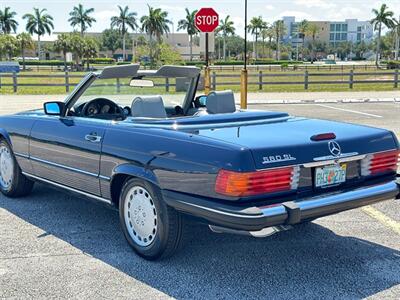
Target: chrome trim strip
<point>63,166</point>
<point>68,188</point>
<point>334,161</point>
<point>332,157</point>
<point>21,155</point>
<point>105,177</point>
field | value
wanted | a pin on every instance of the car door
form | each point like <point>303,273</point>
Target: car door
<point>67,151</point>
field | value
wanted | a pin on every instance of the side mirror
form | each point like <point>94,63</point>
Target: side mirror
<point>54,108</point>
<point>202,101</point>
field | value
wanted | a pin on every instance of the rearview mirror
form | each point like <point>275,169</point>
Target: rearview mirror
<point>141,83</point>
<point>53,108</point>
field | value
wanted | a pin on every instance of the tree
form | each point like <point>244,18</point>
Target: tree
<point>226,28</point>
<point>90,49</point>
<point>63,44</point>
<point>111,40</point>
<point>7,21</point>
<point>279,30</point>
<point>396,29</point>
<point>302,30</point>
<point>123,22</point>
<point>382,17</point>
<point>155,24</point>
<point>77,47</point>
<point>24,42</point>
<point>360,49</point>
<point>80,17</point>
<point>39,23</point>
<point>255,27</point>
<point>188,25</point>
<point>312,31</point>
<point>8,46</point>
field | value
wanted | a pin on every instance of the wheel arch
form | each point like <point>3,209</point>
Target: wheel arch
<point>4,135</point>
<point>126,171</point>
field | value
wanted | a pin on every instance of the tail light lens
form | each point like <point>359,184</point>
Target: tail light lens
<point>240,184</point>
<point>380,163</point>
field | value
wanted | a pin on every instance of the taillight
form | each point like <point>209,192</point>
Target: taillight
<point>379,163</point>
<point>241,184</point>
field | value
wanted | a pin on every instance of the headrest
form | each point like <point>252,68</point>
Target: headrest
<point>221,102</point>
<point>148,107</point>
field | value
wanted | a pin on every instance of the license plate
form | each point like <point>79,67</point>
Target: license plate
<point>330,175</point>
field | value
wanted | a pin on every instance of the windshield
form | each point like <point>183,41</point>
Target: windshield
<point>172,90</point>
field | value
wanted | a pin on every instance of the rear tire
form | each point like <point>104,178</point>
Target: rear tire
<point>12,182</point>
<point>151,228</point>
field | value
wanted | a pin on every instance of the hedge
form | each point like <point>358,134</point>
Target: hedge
<point>393,64</point>
<point>44,62</point>
<point>101,61</point>
<point>251,62</point>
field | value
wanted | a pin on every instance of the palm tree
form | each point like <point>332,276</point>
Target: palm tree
<point>396,30</point>
<point>382,17</point>
<point>80,17</point>
<point>7,21</point>
<point>312,31</point>
<point>255,27</point>
<point>25,42</point>
<point>39,23</point>
<point>279,30</point>
<point>124,21</point>
<point>226,28</point>
<point>155,24</point>
<point>63,44</point>
<point>188,25</point>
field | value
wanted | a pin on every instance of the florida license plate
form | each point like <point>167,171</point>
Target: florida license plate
<point>330,175</point>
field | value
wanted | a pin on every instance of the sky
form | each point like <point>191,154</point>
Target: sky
<point>270,10</point>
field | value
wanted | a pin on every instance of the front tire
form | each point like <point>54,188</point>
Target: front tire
<point>12,182</point>
<point>151,228</point>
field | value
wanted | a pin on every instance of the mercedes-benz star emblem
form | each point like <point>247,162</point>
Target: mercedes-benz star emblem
<point>334,148</point>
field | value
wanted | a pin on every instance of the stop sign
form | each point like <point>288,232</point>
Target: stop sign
<point>206,20</point>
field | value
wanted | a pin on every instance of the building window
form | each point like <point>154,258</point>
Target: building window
<point>344,36</point>
<point>337,36</point>
<point>344,27</point>
<point>332,36</point>
<point>332,27</point>
<point>358,36</point>
<point>337,27</point>
<point>359,28</point>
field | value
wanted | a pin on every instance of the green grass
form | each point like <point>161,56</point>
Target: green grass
<point>253,82</point>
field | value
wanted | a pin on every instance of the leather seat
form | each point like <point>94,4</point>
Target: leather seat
<point>148,107</point>
<point>221,102</point>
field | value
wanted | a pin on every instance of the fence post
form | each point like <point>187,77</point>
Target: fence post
<point>214,81</point>
<point>66,81</point>
<point>396,78</point>
<point>166,84</point>
<point>306,80</point>
<point>118,86</point>
<point>15,84</point>
<point>260,80</point>
<point>351,79</point>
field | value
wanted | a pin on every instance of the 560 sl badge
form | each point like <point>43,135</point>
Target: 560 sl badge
<point>277,158</point>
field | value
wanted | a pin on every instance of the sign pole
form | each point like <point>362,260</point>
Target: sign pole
<point>243,77</point>
<point>207,77</point>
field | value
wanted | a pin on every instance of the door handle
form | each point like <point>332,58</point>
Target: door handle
<point>92,137</point>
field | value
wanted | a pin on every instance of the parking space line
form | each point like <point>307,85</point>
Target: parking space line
<point>350,110</point>
<point>382,218</point>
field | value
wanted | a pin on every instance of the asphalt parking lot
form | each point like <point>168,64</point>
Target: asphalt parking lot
<point>53,245</point>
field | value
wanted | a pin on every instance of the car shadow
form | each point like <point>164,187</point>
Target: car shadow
<point>309,261</point>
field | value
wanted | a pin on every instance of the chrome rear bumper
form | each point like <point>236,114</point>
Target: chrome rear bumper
<point>253,219</point>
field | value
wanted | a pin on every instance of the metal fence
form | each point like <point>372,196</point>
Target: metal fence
<point>259,79</point>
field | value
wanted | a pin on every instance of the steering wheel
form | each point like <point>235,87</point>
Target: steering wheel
<point>93,109</point>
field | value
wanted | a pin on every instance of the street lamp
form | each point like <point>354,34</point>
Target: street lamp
<point>243,77</point>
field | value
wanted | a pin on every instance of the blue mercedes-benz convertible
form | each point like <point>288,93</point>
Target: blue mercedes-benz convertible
<point>122,138</point>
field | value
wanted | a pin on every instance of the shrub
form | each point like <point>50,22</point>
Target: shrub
<point>101,61</point>
<point>393,64</point>
<point>44,62</point>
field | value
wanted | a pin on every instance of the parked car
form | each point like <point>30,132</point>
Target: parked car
<point>124,139</point>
